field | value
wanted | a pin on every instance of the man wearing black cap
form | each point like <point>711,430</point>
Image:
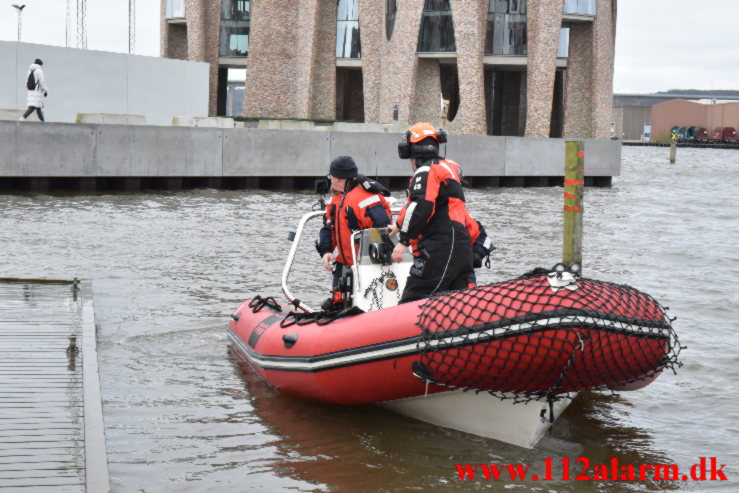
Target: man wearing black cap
<point>37,91</point>
<point>358,203</point>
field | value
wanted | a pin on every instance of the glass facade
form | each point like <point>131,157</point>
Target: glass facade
<point>505,101</point>
<point>391,9</point>
<point>235,21</point>
<point>175,9</point>
<point>347,29</point>
<point>563,49</point>
<point>506,28</point>
<point>581,7</point>
<point>437,28</point>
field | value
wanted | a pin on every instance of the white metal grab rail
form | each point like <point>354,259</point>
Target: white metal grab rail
<point>294,248</point>
<point>291,258</point>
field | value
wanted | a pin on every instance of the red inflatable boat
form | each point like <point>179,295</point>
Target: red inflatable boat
<point>527,336</point>
<point>538,339</point>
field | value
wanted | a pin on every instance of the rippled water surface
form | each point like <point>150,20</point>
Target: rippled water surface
<point>168,269</point>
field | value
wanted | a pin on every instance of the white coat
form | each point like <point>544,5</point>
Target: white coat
<point>36,96</point>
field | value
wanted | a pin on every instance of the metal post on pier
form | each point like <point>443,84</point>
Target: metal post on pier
<point>673,147</point>
<point>573,207</point>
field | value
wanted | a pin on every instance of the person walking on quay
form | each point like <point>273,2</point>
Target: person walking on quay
<point>37,91</point>
<point>357,203</point>
<point>433,220</point>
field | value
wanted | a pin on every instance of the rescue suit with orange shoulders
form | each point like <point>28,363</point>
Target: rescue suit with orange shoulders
<point>482,245</point>
<point>358,203</point>
<point>434,218</point>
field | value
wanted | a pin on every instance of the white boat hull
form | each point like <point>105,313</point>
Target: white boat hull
<point>481,414</point>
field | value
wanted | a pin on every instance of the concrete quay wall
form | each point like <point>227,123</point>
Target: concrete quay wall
<point>60,150</point>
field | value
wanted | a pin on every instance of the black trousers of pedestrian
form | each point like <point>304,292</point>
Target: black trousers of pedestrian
<point>31,110</point>
<point>445,264</point>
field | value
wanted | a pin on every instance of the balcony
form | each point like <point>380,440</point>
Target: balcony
<point>506,28</point>
<point>235,26</point>
<point>348,44</point>
<point>436,34</point>
<point>563,49</point>
<point>579,10</point>
<point>175,10</point>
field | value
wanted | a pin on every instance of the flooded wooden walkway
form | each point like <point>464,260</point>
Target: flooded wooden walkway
<point>51,426</point>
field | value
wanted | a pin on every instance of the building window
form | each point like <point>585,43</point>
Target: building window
<point>437,28</point>
<point>563,50</point>
<point>449,79</point>
<point>347,29</point>
<point>580,7</point>
<point>235,21</point>
<point>391,9</point>
<point>506,28</point>
<point>175,9</point>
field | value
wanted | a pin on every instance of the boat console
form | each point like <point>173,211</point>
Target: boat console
<point>378,281</point>
<point>374,281</point>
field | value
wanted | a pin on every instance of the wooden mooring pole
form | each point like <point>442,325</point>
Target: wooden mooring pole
<point>573,209</point>
<point>673,147</point>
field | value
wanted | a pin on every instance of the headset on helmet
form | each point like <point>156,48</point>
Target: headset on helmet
<point>412,146</point>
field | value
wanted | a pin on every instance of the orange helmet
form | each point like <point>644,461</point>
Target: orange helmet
<point>413,144</point>
<point>422,130</point>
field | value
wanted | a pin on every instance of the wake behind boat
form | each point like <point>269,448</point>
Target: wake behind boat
<point>532,342</point>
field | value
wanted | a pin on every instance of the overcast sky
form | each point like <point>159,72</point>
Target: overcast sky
<point>660,44</point>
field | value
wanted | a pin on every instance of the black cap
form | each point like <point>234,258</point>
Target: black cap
<point>343,167</point>
<point>38,62</point>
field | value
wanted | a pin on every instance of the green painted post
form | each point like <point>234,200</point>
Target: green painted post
<point>573,209</point>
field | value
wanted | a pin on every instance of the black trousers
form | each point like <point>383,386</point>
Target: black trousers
<point>31,110</point>
<point>338,270</point>
<point>445,264</point>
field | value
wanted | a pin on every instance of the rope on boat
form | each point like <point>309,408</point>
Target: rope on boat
<point>257,303</point>
<point>376,288</point>
<point>319,318</point>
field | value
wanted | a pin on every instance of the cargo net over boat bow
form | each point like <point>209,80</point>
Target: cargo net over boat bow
<point>545,335</point>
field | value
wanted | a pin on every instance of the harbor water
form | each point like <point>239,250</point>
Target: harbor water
<point>181,415</point>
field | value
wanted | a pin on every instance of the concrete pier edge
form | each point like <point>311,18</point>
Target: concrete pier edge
<point>96,451</point>
<point>53,428</point>
<point>89,157</point>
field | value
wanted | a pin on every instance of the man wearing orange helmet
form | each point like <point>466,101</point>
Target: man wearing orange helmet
<point>434,218</point>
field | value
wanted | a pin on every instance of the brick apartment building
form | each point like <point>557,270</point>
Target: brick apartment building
<point>536,68</point>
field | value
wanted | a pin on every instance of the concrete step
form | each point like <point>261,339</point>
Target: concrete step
<point>287,125</point>
<point>368,127</point>
<point>110,119</point>
<point>202,122</point>
<point>8,114</point>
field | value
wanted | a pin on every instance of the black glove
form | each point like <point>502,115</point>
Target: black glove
<point>322,250</point>
<point>476,260</point>
<point>46,94</point>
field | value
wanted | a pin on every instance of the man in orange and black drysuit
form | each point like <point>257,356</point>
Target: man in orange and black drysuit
<point>481,243</point>
<point>433,219</point>
<point>358,203</point>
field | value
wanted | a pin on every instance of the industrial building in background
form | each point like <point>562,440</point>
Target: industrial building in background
<point>651,117</point>
<point>503,67</point>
